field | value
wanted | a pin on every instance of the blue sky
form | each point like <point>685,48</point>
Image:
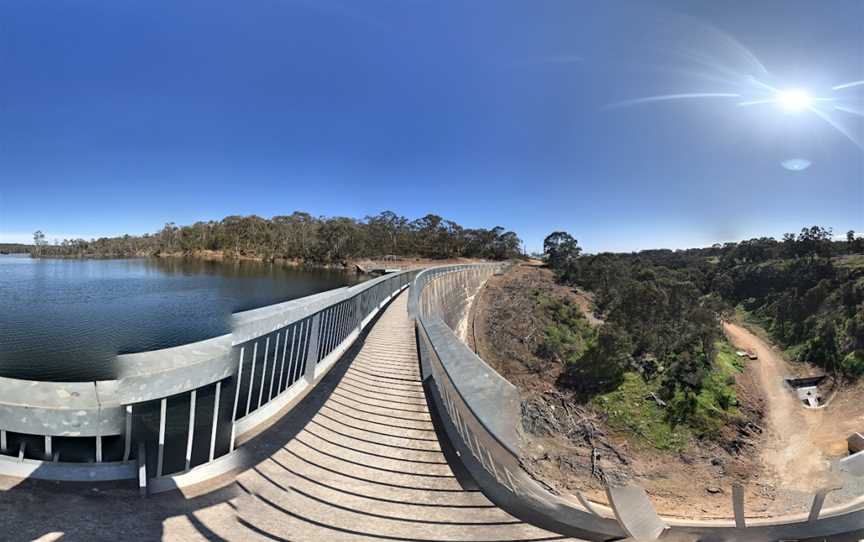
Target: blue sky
<point>117,117</point>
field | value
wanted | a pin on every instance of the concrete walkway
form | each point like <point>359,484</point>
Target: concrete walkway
<point>358,459</point>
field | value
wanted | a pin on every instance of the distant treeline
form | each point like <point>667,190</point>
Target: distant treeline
<point>14,248</point>
<point>302,237</point>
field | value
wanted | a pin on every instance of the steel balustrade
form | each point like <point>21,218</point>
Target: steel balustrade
<point>181,413</point>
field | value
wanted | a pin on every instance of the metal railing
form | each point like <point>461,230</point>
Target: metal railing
<point>481,415</point>
<point>175,416</point>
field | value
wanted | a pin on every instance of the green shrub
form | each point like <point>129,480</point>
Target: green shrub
<point>853,363</point>
<point>631,408</point>
<point>567,334</point>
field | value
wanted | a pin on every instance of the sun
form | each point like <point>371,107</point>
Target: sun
<point>795,99</point>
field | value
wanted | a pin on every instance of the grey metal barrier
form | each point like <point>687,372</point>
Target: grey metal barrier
<point>175,416</point>
<point>481,415</point>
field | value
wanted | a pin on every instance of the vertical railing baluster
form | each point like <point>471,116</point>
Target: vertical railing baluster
<point>215,421</point>
<point>291,356</point>
<point>282,365</point>
<point>127,438</point>
<point>346,305</point>
<point>273,374</point>
<point>334,331</point>
<point>236,400</point>
<point>358,311</point>
<point>163,406</point>
<point>251,379</point>
<point>324,333</point>
<point>332,335</point>
<point>337,321</point>
<point>312,354</point>
<point>263,371</point>
<point>190,434</point>
<point>299,351</point>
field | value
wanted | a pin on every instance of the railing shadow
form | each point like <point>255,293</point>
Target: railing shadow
<point>32,508</point>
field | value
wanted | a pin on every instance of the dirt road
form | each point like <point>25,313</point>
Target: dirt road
<point>798,444</point>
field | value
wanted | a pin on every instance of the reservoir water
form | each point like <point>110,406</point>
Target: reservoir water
<point>66,320</point>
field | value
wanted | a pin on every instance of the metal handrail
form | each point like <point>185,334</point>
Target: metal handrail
<point>271,359</point>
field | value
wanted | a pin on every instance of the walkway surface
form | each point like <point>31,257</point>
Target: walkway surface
<point>358,459</point>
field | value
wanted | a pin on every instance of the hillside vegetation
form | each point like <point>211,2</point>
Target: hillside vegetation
<point>302,237</point>
<point>664,306</point>
<point>588,422</point>
<point>663,309</point>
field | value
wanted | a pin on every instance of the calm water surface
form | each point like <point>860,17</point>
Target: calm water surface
<point>66,320</point>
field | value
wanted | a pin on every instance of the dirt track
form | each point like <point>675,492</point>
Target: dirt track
<point>791,452</point>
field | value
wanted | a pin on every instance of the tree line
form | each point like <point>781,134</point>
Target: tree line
<point>663,309</point>
<point>303,237</point>
<point>805,288</point>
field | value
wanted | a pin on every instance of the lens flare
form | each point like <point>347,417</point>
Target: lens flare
<point>796,164</point>
<point>794,100</point>
<point>832,105</point>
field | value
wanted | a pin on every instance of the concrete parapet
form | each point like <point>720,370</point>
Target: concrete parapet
<point>482,415</point>
<point>856,443</point>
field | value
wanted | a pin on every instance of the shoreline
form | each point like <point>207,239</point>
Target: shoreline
<point>358,265</point>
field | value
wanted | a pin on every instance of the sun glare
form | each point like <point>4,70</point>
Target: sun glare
<point>794,99</point>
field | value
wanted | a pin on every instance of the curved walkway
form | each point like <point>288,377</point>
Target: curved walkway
<point>358,459</point>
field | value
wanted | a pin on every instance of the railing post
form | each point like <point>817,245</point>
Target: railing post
<point>263,371</point>
<point>282,365</point>
<point>312,355</point>
<point>291,353</point>
<point>216,419</point>
<point>127,438</point>
<point>296,357</point>
<point>236,400</point>
<point>738,505</point>
<point>191,431</point>
<point>163,405</point>
<point>273,373</point>
<point>819,502</point>
<point>358,312</point>
<point>251,379</point>
<point>3,440</point>
<point>142,469</point>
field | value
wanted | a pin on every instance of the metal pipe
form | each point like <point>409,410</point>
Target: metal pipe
<point>191,430</point>
<point>215,421</point>
<point>251,379</point>
<point>236,400</point>
<point>263,371</point>
<point>163,405</point>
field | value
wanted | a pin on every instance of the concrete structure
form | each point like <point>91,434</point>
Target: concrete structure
<point>854,463</point>
<point>270,437</point>
<point>807,390</point>
<point>483,414</point>
<point>856,443</point>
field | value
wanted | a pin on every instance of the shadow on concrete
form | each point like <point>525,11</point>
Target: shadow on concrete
<point>366,535</point>
<point>112,511</point>
<point>332,474</point>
